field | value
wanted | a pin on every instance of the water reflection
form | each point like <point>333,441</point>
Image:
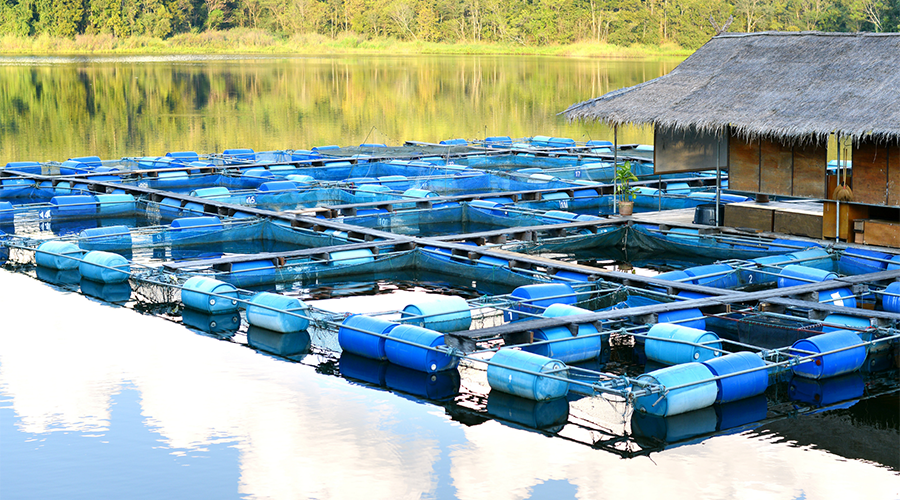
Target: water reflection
<point>298,434</point>
<point>112,107</point>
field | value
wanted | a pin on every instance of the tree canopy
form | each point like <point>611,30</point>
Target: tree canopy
<point>529,22</point>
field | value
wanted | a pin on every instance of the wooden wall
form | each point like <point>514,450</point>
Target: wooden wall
<point>768,167</point>
<point>876,173</point>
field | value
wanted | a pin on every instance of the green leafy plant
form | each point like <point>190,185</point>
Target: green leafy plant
<point>624,178</point>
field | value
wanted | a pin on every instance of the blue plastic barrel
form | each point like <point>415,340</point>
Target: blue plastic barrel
<point>169,207</point>
<point>185,227</point>
<point>210,192</point>
<point>842,297</point>
<point>195,294</point>
<point>115,203</point>
<point>283,344</point>
<point>28,167</point>
<point>542,415</point>
<point>253,268</point>
<point>567,348</point>
<point>762,270</point>
<point>560,215</point>
<point>834,322</point>
<point>503,375</point>
<point>350,257</point>
<point>573,276</point>
<point>418,193</point>
<point>659,345</point>
<point>725,277</point>
<point>678,400</point>
<point>73,205</point>
<point>894,263</point>
<point>276,187</point>
<point>223,324</point>
<point>795,275</point>
<point>741,386</point>
<point>185,156</point>
<point>534,298</point>
<point>55,255</point>
<point>105,238</point>
<point>436,386</point>
<point>108,292</point>
<point>859,261</point>
<point>259,314</point>
<point>443,313</point>
<point>829,365</point>
<point>685,317</point>
<point>415,354</point>
<point>890,301</point>
<point>817,258</point>
<point>105,267</point>
<point>356,335</point>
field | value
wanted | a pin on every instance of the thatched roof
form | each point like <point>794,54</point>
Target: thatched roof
<point>789,86</point>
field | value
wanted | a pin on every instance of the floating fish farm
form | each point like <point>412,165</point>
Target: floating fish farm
<point>533,301</point>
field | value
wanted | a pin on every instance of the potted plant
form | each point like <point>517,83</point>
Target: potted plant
<point>624,178</point>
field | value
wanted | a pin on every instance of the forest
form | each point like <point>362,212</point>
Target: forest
<point>531,23</point>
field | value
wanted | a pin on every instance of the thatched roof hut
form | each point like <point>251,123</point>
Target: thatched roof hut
<point>790,87</point>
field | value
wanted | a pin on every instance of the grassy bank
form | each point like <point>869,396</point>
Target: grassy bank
<point>244,41</point>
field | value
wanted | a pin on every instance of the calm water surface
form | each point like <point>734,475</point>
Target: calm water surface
<point>98,401</point>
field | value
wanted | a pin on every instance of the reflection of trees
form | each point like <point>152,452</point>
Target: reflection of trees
<point>113,110</point>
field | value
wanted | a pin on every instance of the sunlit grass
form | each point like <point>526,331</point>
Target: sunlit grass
<point>247,41</point>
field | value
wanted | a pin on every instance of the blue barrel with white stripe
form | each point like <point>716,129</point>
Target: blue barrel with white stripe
<point>841,297</point>
<point>363,335</point>
<point>105,267</point>
<point>443,313</point>
<point>351,257</point>
<point>56,255</point>
<point>698,391</point>
<point>209,295</point>
<point>848,359</point>
<point>506,373</point>
<point>408,346</point>
<point>744,385</point>
<point>665,343</point>
<point>277,312</point>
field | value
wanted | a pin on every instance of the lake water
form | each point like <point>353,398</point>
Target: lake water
<point>99,401</point>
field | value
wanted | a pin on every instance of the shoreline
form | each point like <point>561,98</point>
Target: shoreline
<point>258,42</point>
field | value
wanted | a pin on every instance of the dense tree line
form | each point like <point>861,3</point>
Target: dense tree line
<point>528,22</point>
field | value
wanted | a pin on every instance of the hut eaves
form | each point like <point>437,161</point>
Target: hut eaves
<point>786,86</point>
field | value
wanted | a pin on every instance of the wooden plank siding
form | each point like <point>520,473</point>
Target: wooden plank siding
<point>893,187</point>
<point>870,173</point>
<point>810,162</point>
<point>743,165</point>
<point>775,168</point>
<point>769,167</point>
